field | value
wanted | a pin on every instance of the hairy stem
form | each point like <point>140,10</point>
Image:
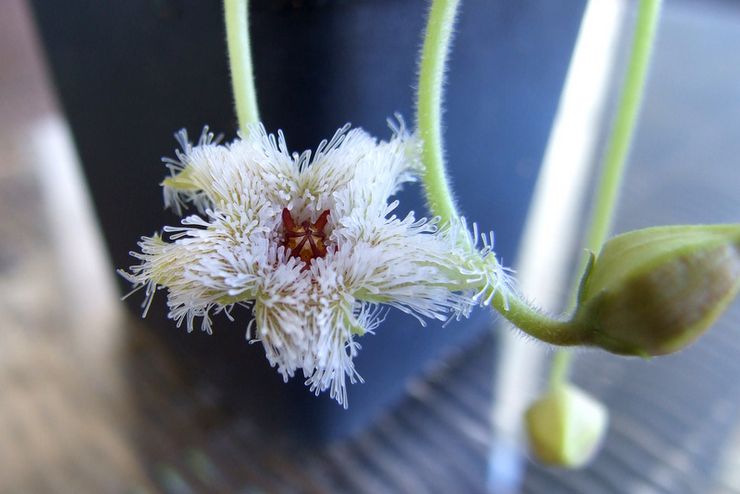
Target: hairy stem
<point>434,56</point>
<point>240,62</point>
<point>560,332</point>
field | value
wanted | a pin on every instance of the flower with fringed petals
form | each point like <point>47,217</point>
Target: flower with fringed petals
<point>310,243</point>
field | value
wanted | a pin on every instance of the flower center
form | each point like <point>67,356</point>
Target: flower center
<point>306,240</point>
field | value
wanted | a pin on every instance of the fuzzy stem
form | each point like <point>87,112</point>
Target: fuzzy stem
<point>240,62</point>
<point>429,106</point>
<point>560,332</point>
<point>618,147</point>
<point>434,56</point>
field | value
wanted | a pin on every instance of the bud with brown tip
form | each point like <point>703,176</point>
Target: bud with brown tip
<point>654,291</point>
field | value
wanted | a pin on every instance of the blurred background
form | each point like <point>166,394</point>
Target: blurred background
<point>93,399</point>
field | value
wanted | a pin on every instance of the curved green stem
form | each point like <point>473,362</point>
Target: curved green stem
<point>240,62</point>
<point>434,56</point>
<point>429,106</point>
<point>620,139</point>
<point>560,332</point>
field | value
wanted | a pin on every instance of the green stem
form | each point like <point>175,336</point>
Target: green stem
<point>429,106</point>
<point>620,140</point>
<point>560,332</point>
<point>561,363</point>
<point>434,56</point>
<point>240,62</point>
<point>623,131</point>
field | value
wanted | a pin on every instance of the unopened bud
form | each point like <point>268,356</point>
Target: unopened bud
<point>566,427</point>
<point>654,291</point>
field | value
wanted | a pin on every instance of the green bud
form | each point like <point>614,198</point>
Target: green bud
<point>654,291</point>
<point>566,427</point>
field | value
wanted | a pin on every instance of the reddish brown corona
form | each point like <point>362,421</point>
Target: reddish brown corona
<point>306,241</point>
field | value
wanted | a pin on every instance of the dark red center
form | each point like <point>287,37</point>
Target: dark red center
<point>307,240</point>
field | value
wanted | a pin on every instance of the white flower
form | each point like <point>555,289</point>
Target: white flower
<point>311,244</point>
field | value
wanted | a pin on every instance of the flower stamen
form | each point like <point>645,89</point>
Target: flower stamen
<point>307,240</point>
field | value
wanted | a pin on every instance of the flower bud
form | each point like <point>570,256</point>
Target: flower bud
<point>566,427</point>
<point>654,291</point>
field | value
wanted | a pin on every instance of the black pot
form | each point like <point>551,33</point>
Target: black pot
<point>131,73</point>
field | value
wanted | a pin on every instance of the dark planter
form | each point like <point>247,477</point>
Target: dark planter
<point>131,73</point>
